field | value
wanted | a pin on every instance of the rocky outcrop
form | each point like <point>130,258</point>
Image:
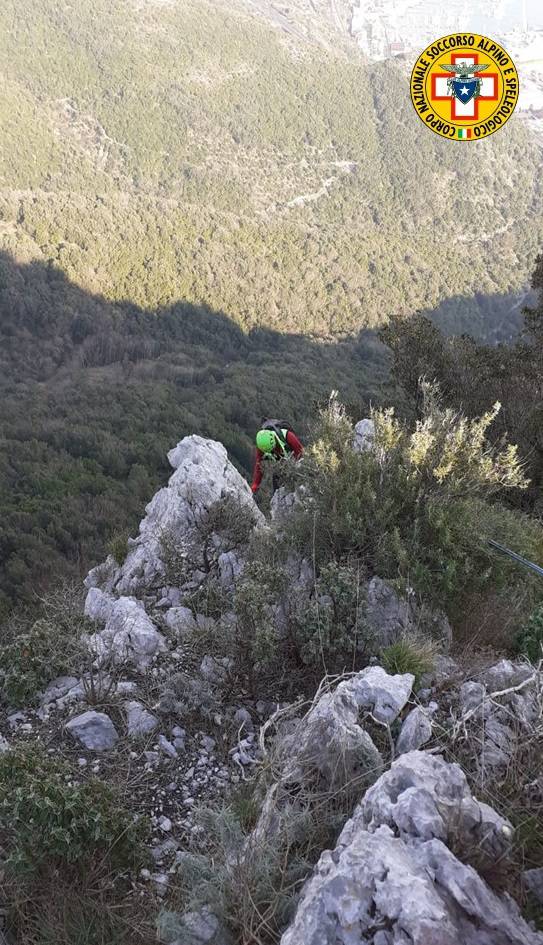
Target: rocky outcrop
<point>498,711</point>
<point>203,476</point>
<point>129,636</point>
<point>329,749</point>
<point>400,870</point>
<point>416,729</point>
<point>125,601</point>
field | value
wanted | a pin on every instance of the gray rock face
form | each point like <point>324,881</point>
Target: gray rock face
<point>504,675</point>
<point>364,436</point>
<point>140,721</point>
<point>94,730</point>
<point>390,618</point>
<point>328,746</point>
<point>331,741</point>
<point>416,731</point>
<point>128,636</point>
<point>503,718</point>
<point>231,565</point>
<point>203,475</point>
<point>392,878</point>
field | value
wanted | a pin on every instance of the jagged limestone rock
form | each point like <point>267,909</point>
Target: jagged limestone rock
<point>392,877</point>
<point>203,476</point>
<point>416,731</point>
<point>59,688</point>
<point>128,636</point>
<point>508,715</point>
<point>98,605</point>
<point>94,730</point>
<point>195,928</point>
<point>534,882</point>
<point>383,695</point>
<point>180,620</point>
<point>328,749</point>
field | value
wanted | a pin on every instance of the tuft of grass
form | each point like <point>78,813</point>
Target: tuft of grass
<point>409,656</point>
<point>118,547</point>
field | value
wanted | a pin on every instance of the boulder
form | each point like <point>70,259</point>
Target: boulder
<point>364,436</point>
<point>128,636</point>
<point>416,731</point>
<point>330,740</point>
<point>327,749</point>
<point>505,675</point>
<point>180,620</point>
<point>103,575</point>
<point>203,476</point>
<point>94,730</point>
<point>392,877</point>
<point>194,928</point>
<point>230,565</point>
<point>383,695</point>
<point>140,721</point>
<point>98,605</point>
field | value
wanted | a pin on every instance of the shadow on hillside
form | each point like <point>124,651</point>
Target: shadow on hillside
<point>492,319</point>
<point>94,394</point>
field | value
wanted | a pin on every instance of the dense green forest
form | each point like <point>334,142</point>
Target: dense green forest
<point>190,151</point>
<point>95,393</point>
<point>200,219</point>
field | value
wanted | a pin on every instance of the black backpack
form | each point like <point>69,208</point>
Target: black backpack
<point>277,426</point>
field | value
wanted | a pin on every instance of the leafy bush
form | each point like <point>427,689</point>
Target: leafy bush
<point>415,505</point>
<point>529,641</point>
<point>408,656</point>
<point>49,820</point>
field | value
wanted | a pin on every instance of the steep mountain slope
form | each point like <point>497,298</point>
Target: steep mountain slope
<point>198,151</point>
<point>181,185</point>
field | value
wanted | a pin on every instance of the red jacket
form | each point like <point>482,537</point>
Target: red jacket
<point>293,445</point>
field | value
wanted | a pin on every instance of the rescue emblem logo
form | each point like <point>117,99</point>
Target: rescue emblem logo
<point>464,86</point>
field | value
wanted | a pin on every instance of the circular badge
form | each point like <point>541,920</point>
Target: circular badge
<point>464,86</point>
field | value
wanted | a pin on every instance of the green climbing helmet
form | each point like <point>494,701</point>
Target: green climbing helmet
<point>266,440</point>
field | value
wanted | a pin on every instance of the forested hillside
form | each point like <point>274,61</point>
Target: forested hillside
<point>195,206</point>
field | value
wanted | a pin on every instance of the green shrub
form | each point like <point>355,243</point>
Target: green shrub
<point>529,641</point>
<point>416,506</point>
<point>330,630</point>
<point>408,656</point>
<point>49,820</point>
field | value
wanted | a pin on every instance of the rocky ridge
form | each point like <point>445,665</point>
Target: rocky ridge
<point>401,869</point>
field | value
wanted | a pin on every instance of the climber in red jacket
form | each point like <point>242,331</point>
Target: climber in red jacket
<point>274,441</point>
